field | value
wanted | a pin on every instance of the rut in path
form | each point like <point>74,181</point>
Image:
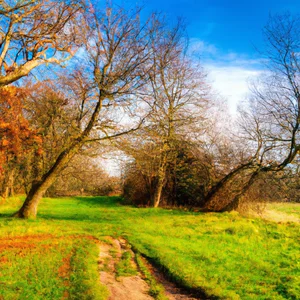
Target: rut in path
<point>121,288</point>
<point>131,287</point>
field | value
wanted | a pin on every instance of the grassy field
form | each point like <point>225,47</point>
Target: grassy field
<point>226,255</point>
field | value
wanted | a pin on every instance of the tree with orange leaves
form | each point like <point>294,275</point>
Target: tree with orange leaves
<point>16,136</point>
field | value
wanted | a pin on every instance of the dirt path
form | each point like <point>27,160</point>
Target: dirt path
<point>124,287</point>
<point>131,287</point>
<point>172,291</point>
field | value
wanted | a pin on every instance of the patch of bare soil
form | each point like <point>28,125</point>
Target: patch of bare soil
<point>276,216</point>
<point>121,288</point>
<point>172,291</point>
<point>133,287</point>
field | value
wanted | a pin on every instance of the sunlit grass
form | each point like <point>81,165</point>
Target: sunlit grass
<point>125,267</point>
<point>289,208</point>
<point>46,267</point>
<point>31,269</point>
<point>226,255</point>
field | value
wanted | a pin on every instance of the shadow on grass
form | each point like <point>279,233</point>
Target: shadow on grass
<point>76,208</point>
<point>100,201</point>
<point>6,215</point>
<point>80,209</point>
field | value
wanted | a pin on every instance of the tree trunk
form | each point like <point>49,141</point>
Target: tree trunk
<point>7,188</point>
<point>39,188</point>
<point>157,193</point>
<point>234,204</point>
<point>161,180</point>
<point>11,183</point>
<point>29,207</point>
<point>209,199</point>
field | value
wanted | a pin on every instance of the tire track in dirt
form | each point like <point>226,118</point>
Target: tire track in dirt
<point>172,291</point>
<point>121,288</point>
<point>132,287</point>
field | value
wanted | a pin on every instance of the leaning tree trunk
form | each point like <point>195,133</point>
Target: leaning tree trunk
<point>234,203</point>
<point>225,200</point>
<point>209,201</point>
<point>39,188</point>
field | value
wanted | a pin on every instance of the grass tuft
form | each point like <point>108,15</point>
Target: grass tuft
<point>125,266</point>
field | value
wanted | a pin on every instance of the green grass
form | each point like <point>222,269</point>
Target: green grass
<point>125,266</point>
<point>84,279</point>
<point>226,255</point>
<point>25,273</point>
<point>45,267</point>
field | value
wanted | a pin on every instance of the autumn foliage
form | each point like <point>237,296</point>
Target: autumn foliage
<point>16,136</point>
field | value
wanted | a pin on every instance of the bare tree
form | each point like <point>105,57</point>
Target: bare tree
<point>270,124</point>
<point>176,96</point>
<point>84,175</point>
<point>117,64</point>
<point>33,33</point>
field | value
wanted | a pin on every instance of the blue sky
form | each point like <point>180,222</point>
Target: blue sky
<point>230,25</point>
<point>225,34</point>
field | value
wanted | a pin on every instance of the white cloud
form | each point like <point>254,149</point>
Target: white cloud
<point>199,47</point>
<point>231,82</point>
<point>229,73</point>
